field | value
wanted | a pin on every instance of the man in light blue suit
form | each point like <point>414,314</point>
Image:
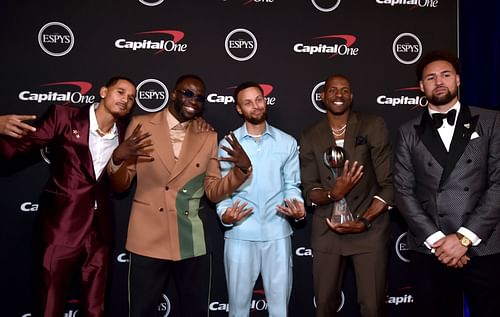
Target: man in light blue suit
<point>257,239</point>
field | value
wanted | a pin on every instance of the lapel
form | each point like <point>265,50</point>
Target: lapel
<point>80,130</point>
<point>161,139</point>
<point>431,139</point>
<point>192,145</point>
<point>464,127</point>
<point>351,132</point>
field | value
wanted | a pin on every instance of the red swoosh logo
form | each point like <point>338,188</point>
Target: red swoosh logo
<point>83,85</point>
<point>349,39</point>
<point>177,36</point>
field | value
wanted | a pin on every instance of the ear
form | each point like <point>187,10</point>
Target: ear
<point>238,109</point>
<point>103,92</point>
<point>421,84</point>
<point>457,80</point>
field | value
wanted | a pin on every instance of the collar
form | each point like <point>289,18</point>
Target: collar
<point>174,123</point>
<point>267,131</point>
<point>93,126</point>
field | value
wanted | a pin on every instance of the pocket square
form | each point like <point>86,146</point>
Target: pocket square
<point>360,140</point>
<point>474,135</point>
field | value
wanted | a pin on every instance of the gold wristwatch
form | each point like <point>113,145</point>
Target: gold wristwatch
<point>463,240</point>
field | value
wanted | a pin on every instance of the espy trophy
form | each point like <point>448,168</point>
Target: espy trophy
<point>334,159</point>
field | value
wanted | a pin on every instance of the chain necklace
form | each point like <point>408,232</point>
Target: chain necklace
<point>340,131</point>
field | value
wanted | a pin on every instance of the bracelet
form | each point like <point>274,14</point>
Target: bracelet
<point>366,222</point>
<point>300,219</point>
<point>330,196</point>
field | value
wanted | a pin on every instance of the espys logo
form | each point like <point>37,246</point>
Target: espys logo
<point>316,97</point>
<point>56,39</point>
<point>28,206</point>
<point>159,45</point>
<point>61,96</point>
<point>401,247</point>
<point>341,305</point>
<point>45,153</point>
<point>152,95</point>
<point>226,99</point>
<point>241,44</point>
<point>403,99</point>
<point>414,3</point>
<point>344,48</point>
<point>151,3</point>
<point>407,48</point>
<point>326,5</point>
<point>164,306</point>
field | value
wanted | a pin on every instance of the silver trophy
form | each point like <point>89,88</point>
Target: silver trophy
<point>334,159</point>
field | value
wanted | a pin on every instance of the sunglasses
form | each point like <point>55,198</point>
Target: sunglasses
<point>190,95</point>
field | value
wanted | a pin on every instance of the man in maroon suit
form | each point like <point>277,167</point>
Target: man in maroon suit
<point>75,204</point>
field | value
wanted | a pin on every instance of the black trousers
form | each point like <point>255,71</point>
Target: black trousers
<point>148,278</point>
<point>439,290</point>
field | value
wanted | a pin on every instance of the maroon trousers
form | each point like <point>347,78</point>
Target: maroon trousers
<point>61,263</point>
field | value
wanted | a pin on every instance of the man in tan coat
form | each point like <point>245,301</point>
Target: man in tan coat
<point>174,166</point>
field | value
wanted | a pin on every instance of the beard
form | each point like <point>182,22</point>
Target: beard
<point>256,120</point>
<point>443,99</point>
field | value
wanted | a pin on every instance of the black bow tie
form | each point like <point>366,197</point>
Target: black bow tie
<point>437,118</point>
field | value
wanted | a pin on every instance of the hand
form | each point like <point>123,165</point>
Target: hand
<point>293,208</point>
<point>354,226</point>
<point>449,251</point>
<point>462,262</point>
<point>237,155</point>
<point>345,182</point>
<point>200,125</point>
<point>134,146</point>
<point>13,125</point>
<point>236,212</point>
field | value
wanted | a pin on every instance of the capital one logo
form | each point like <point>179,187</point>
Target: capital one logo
<point>122,258</point>
<point>407,48</point>
<point>63,93</point>
<point>415,100</point>
<point>164,306</point>
<point>241,44</point>
<point>28,206</point>
<point>414,3</point>
<point>152,95</point>
<point>161,41</point>
<point>316,97</point>
<point>229,99</point>
<point>333,45</point>
<point>56,39</point>
<point>326,5</point>
<point>401,247</point>
<point>151,3</point>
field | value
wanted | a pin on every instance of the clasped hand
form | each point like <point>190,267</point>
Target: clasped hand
<point>450,252</point>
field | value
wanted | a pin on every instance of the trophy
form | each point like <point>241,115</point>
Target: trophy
<point>334,159</point>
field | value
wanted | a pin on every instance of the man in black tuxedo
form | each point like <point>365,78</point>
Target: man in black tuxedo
<point>447,184</point>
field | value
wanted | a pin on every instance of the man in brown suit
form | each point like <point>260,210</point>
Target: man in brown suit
<point>174,167</point>
<point>367,187</point>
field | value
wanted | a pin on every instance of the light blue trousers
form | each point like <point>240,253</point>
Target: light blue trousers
<point>244,260</point>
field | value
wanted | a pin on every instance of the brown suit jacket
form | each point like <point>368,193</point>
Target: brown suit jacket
<point>164,221</point>
<point>366,141</point>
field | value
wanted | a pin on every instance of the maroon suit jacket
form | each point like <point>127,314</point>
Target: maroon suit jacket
<point>67,203</point>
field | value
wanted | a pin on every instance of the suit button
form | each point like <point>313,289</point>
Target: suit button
<point>466,189</point>
<point>160,209</point>
<point>329,177</point>
<point>469,161</point>
<point>441,215</point>
<point>429,164</point>
<point>166,188</point>
<point>186,212</point>
<point>440,190</point>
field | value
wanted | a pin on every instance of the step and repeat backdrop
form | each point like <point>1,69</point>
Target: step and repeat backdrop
<point>57,52</point>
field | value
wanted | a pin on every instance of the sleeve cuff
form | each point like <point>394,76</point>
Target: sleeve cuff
<point>470,235</point>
